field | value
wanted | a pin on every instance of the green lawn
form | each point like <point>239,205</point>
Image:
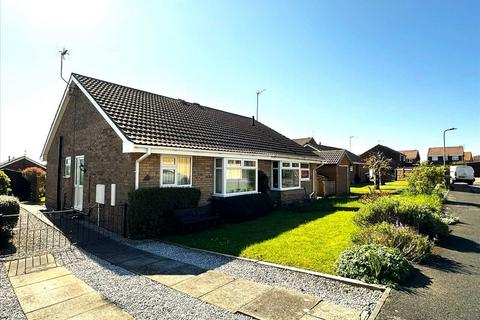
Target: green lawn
<point>312,239</point>
<point>390,187</point>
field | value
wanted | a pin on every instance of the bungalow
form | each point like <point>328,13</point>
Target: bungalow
<point>339,165</point>
<point>20,163</point>
<point>453,154</point>
<point>121,139</point>
<point>412,157</point>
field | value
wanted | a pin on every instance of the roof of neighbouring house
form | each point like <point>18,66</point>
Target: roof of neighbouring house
<point>410,154</point>
<point>467,156</point>
<point>22,158</point>
<point>378,146</point>
<point>309,141</point>
<point>150,119</point>
<point>449,151</point>
<point>330,156</point>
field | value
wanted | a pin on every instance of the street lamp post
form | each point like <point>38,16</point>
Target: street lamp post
<point>444,153</point>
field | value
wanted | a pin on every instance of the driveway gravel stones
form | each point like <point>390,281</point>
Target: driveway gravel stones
<point>9,306</point>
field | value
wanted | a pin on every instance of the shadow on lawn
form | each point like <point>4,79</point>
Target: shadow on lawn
<point>234,238</point>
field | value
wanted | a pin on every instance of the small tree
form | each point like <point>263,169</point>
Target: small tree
<point>36,178</point>
<point>426,178</point>
<point>4,183</point>
<point>380,166</point>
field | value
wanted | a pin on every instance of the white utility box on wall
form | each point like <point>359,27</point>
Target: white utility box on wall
<point>100,194</point>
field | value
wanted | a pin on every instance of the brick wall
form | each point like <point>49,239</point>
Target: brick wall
<point>149,173</point>
<point>86,133</point>
<point>202,177</point>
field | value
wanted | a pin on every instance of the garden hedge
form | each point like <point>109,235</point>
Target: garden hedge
<point>242,208</point>
<point>151,210</point>
<point>9,206</point>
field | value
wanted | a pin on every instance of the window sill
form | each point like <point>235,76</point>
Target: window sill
<point>221,195</point>
<point>175,186</point>
<point>287,189</point>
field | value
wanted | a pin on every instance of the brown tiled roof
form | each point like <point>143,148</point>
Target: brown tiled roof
<point>330,156</point>
<point>449,151</point>
<point>154,120</point>
<point>410,154</point>
<point>467,156</point>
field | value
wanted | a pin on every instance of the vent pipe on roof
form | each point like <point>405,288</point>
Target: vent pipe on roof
<point>253,120</point>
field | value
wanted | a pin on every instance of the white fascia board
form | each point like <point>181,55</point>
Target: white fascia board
<point>100,110</point>
<point>56,121</point>
<point>61,110</point>
<point>216,154</point>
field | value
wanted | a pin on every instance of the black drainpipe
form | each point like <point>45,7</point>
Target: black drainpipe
<point>59,173</point>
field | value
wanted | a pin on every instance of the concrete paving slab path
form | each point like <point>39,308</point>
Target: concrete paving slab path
<point>54,293</point>
<point>235,294</point>
<point>29,264</point>
<point>280,304</point>
<point>203,283</point>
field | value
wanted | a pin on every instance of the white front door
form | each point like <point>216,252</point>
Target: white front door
<point>79,173</point>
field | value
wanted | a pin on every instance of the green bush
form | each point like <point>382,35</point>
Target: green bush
<point>426,179</point>
<point>418,212</point>
<point>151,210</point>
<point>415,247</point>
<point>36,177</point>
<point>374,264</point>
<point>4,183</point>
<point>8,206</point>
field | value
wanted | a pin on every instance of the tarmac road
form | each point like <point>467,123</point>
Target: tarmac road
<point>448,285</point>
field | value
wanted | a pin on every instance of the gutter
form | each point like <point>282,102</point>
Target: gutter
<point>137,167</point>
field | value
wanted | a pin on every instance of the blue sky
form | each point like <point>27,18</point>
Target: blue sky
<point>394,72</point>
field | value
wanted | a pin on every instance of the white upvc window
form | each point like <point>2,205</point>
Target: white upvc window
<point>434,158</point>
<point>455,158</point>
<point>175,171</point>
<point>235,176</point>
<point>287,175</point>
<point>67,168</point>
<point>305,171</point>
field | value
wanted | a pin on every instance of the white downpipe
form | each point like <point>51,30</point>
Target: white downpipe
<point>137,167</point>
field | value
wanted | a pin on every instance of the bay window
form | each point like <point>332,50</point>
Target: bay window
<point>175,171</point>
<point>235,176</point>
<point>287,175</point>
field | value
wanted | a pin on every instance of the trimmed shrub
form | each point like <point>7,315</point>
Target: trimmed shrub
<point>8,206</point>
<point>374,264</point>
<point>242,208</point>
<point>4,183</point>
<point>37,178</point>
<point>151,210</point>
<point>415,247</point>
<point>426,179</point>
<point>415,211</point>
<point>372,196</point>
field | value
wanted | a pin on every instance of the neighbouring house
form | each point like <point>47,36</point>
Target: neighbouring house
<point>397,158</point>
<point>454,154</point>
<point>21,163</point>
<point>467,156</point>
<point>120,139</point>
<point>13,168</point>
<point>340,166</point>
<point>412,157</point>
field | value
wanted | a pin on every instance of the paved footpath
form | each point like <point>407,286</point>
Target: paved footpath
<point>448,287</point>
<point>46,291</point>
<point>235,295</point>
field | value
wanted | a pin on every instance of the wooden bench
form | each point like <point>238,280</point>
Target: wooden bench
<point>195,219</point>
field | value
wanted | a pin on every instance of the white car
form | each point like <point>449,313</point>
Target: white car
<point>461,174</point>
